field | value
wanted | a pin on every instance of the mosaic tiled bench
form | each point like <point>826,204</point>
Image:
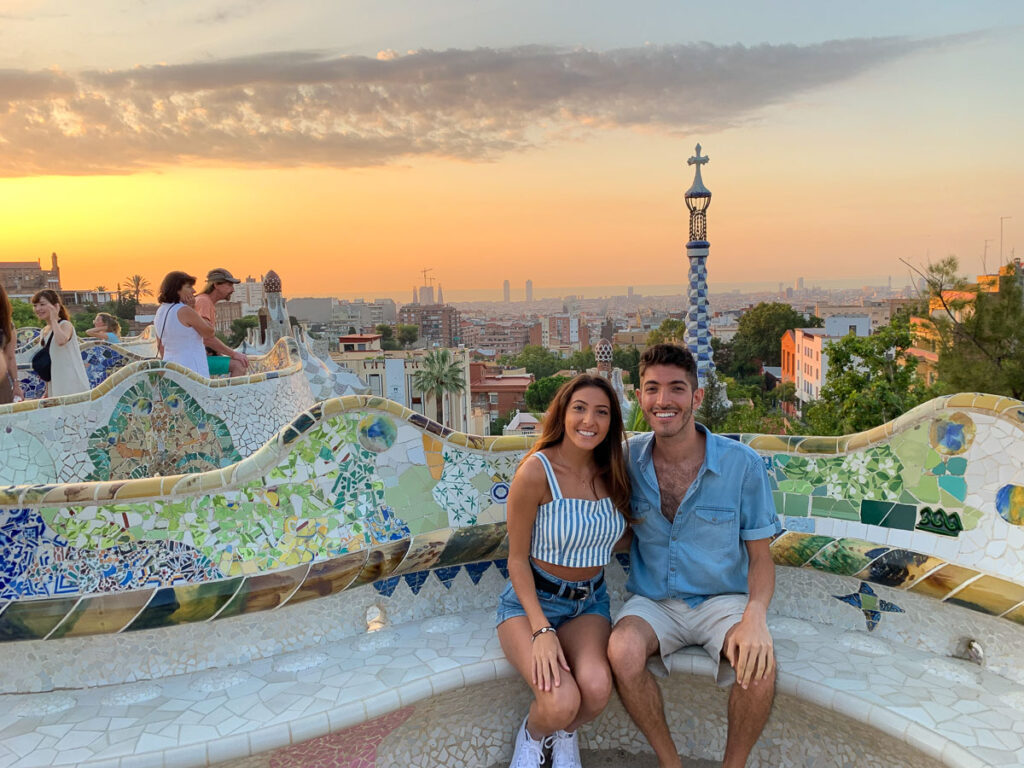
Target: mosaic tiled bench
<point>900,543</point>
<point>151,418</point>
<point>437,691</point>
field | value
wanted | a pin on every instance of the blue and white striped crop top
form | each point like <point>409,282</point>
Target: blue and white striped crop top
<point>578,533</point>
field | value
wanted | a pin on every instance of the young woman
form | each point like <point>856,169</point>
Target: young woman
<point>567,509</point>
<point>67,371</point>
<point>106,327</point>
<point>179,328</point>
<point>10,387</point>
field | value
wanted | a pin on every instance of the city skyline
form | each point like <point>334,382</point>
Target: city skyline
<point>349,145</point>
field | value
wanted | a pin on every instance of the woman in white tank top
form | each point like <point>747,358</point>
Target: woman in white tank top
<point>567,509</point>
<point>179,328</point>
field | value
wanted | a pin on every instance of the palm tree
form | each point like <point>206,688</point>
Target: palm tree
<point>440,373</point>
<point>138,286</point>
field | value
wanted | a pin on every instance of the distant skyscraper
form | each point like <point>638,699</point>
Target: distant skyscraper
<point>799,284</point>
<point>440,294</point>
<point>508,291</point>
<point>629,292</point>
<point>698,327</point>
<point>415,296</point>
<point>426,295</point>
<point>529,290</point>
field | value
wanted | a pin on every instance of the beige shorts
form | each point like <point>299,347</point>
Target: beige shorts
<point>677,625</point>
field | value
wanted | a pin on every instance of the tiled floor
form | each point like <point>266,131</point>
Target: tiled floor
<point>949,709</point>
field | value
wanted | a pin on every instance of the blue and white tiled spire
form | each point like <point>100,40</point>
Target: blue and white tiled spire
<point>698,327</point>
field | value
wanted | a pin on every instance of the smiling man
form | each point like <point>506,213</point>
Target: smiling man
<point>701,572</point>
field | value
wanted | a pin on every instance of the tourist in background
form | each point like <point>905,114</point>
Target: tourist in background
<point>105,326</point>
<point>220,284</point>
<point>10,387</point>
<point>181,333</point>
<point>67,371</point>
<point>566,511</point>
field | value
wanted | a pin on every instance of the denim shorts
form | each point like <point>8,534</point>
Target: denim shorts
<point>558,610</point>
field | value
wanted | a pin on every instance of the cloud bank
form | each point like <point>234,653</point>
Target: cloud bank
<point>309,108</point>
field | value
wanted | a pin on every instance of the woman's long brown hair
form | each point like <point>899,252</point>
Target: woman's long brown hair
<point>609,455</point>
<point>6,321</point>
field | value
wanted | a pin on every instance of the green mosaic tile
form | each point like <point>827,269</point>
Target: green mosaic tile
<point>796,486</point>
<point>34,619</point>
<point>844,509</point>
<point>902,516</point>
<point>847,556</point>
<point>778,497</point>
<point>795,505</point>
<point>955,486</point>
<point>874,512</point>
<point>822,506</point>
<point>796,549</point>
<point>956,465</point>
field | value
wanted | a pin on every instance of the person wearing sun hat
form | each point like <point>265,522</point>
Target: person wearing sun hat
<point>220,284</point>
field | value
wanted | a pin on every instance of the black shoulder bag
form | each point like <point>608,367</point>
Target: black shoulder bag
<point>41,360</point>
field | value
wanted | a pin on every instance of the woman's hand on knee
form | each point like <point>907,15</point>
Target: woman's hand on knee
<point>548,660</point>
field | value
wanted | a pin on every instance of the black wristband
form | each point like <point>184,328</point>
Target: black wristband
<point>541,631</point>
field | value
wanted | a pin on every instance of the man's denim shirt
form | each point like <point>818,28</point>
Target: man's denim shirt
<point>701,554</point>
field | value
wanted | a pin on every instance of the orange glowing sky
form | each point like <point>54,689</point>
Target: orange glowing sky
<point>828,176</point>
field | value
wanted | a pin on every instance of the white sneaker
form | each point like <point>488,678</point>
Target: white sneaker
<point>529,752</point>
<point>565,750</point>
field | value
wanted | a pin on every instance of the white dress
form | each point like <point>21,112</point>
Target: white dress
<point>182,344</point>
<point>67,371</point>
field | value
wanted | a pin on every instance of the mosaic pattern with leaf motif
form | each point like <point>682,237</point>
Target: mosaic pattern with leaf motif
<point>359,488</point>
<point>105,433</point>
<point>157,428</point>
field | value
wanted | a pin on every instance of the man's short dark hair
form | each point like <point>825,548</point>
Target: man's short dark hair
<point>669,354</point>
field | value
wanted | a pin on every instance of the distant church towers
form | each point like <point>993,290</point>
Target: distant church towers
<point>698,329</point>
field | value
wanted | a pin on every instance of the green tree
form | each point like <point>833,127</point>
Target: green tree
<point>754,419</point>
<point>713,409</point>
<point>628,359</point>
<point>670,330</point>
<point>870,380</point>
<point>407,334</point>
<point>635,420</point>
<point>759,338</point>
<point>387,337</point>
<point>499,424</point>
<point>981,333</point>
<point>985,350</point>
<point>23,315</point>
<point>137,287</point>
<point>83,321</point>
<point>240,329</point>
<point>125,307</point>
<point>441,373</point>
<point>539,361</point>
<point>582,360</point>
<point>539,394</point>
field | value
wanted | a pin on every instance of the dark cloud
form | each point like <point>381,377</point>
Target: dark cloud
<point>308,108</point>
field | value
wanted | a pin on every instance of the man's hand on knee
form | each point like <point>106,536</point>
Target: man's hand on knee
<point>749,649</point>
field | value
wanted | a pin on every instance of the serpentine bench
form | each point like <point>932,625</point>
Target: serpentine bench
<point>335,589</point>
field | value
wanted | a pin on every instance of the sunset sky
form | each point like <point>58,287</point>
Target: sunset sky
<point>348,145</point>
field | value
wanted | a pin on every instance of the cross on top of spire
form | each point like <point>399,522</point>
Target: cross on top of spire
<point>698,160</point>
<point>698,190</point>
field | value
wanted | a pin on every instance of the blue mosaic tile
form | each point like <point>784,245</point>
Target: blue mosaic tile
<point>415,580</point>
<point>386,587</point>
<point>477,570</point>
<point>502,566</point>
<point>447,575</point>
<point>799,524</point>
